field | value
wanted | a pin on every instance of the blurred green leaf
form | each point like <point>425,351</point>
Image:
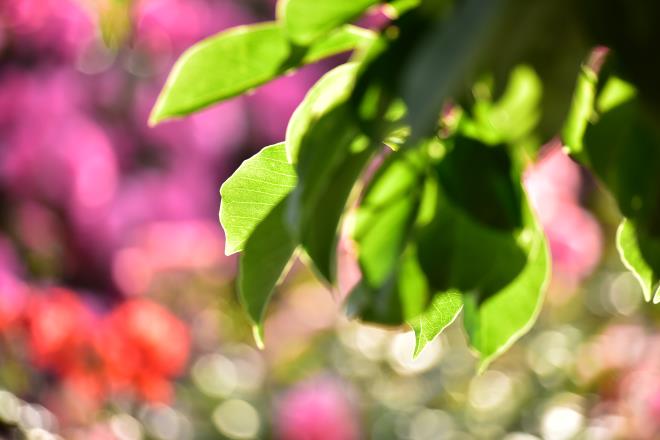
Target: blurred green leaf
<point>252,192</point>
<point>306,21</point>
<point>581,112</point>
<point>114,21</point>
<point>478,179</point>
<point>513,116</point>
<point>238,60</point>
<point>400,299</point>
<point>442,311</point>
<point>494,36</point>
<point>622,147</point>
<point>641,255</point>
<point>387,213</point>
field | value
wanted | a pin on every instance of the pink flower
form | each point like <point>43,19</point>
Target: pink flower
<point>167,27</point>
<point>317,410</point>
<point>211,134</point>
<point>575,238</point>
<point>60,26</point>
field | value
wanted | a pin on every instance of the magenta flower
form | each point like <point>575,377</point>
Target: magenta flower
<point>574,235</point>
<point>58,26</point>
<point>317,410</point>
<point>167,27</point>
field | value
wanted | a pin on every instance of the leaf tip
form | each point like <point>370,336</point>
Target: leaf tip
<point>258,334</point>
<point>157,115</point>
<point>419,346</point>
<point>656,297</point>
<point>483,364</point>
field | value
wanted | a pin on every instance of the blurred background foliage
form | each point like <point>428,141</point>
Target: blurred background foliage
<point>118,313</point>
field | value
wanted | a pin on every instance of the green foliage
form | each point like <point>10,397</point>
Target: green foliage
<point>256,187</point>
<point>464,92</point>
<point>305,21</point>
<point>641,255</point>
<point>238,60</point>
<point>252,214</point>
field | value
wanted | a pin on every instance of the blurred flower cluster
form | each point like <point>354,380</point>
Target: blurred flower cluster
<point>118,317</point>
<point>94,355</point>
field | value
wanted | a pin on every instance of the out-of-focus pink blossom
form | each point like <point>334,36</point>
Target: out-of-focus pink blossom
<point>167,27</point>
<point>53,151</point>
<point>59,26</point>
<point>210,134</point>
<point>574,235</point>
<point>377,18</point>
<point>317,410</point>
<point>167,246</point>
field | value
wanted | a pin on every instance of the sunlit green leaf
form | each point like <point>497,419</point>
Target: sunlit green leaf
<point>252,192</point>
<point>513,116</point>
<point>252,213</point>
<point>442,311</point>
<point>387,213</point>
<point>495,323</point>
<point>306,21</point>
<point>641,255</point>
<point>238,60</point>
<point>334,87</point>
<point>582,110</point>
<point>316,209</point>
<point>329,152</point>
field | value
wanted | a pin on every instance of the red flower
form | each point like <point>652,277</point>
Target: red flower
<point>59,330</point>
<point>142,346</point>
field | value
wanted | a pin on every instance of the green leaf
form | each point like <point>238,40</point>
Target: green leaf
<point>478,179</point>
<point>329,152</point>
<point>582,110</point>
<point>621,145</point>
<point>400,299</point>
<point>495,254</point>
<point>333,87</point>
<point>238,60</point>
<point>254,201</point>
<point>442,311</point>
<point>493,325</point>
<point>641,255</point>
<point>387,213</point>
<point>444,59</point>
<point>252,192</point>
<point>315,210</point>
<point>511,118</point>
<point>494,36</point>
<point>263,263</point>
<point>306,21</point>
